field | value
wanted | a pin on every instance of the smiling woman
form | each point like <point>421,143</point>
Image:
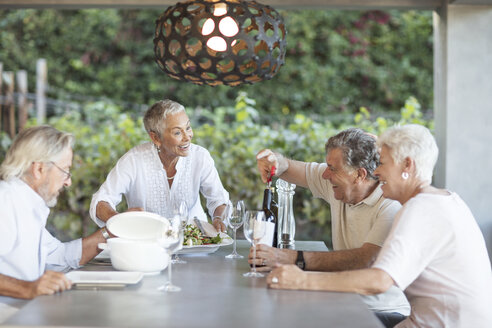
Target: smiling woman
<point>157,176</point>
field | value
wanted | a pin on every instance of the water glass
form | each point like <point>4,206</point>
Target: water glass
<point>171,241</point>
<point>235,218</point>
<point>180,209</point>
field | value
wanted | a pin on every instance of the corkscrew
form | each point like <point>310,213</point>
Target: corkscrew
<point>272,173</point>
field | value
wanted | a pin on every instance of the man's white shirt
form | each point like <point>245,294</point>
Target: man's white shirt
<point>27,249</point>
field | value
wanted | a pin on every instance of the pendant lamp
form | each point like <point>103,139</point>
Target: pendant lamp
<point>214,42</point>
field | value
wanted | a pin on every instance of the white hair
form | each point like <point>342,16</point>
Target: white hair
<point>413,141</point>
<point>155,117</point>
<point>37,144</point>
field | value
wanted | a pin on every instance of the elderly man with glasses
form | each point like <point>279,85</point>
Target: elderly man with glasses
<point>34,171</point>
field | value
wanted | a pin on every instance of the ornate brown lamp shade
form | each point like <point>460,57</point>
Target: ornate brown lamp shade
<point>215,42</point>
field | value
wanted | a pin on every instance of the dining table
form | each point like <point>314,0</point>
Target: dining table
<point>214,293</point>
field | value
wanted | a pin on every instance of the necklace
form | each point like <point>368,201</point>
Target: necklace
<point>173,163</point>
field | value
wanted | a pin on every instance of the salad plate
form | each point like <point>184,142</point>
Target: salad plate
<point>208,248</point>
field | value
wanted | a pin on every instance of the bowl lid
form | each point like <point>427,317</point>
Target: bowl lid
<point>137,225</point>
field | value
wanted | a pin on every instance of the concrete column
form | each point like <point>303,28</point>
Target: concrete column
<point>463,106</point>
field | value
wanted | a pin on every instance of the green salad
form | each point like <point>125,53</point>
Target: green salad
<point>193,237</point>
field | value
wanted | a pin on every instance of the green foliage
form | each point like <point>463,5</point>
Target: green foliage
<point>410,113</point>
<point>232,135</point>
<point>336,62</point>
<point>4,143</point>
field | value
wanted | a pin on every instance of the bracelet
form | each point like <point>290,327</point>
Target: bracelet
<point>105,233</point>
<point>217,217</point>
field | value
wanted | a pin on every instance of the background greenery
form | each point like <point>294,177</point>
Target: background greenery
<point>343,68</point>
<point>336,61</point>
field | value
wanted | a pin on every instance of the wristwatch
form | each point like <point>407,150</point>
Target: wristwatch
<point>104,233</point>
<point>300,260</point>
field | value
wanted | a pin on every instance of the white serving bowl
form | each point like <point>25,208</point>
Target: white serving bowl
<point>137,225</point>
<point>136,255</point>
<point>136,248</point>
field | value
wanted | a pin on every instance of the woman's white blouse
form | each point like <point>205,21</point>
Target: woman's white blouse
<point>140,176</point>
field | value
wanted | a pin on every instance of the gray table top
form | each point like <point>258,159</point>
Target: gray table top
<point>214,294</point>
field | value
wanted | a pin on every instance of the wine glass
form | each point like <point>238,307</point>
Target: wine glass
<point>171,241</point>
<point>254,229</point>
<point>180,209</point>
<point>235,217</point>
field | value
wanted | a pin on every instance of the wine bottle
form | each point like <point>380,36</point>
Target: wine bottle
<point>270,234</point>
<point>270,209</point>
<point>274,208</point>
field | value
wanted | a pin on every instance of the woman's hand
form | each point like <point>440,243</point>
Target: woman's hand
<point>219,225</point>
<point>220,216</point>
<point>287,277</point>
<point>135,209</point>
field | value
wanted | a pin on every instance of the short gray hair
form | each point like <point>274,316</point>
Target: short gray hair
<point>358,148</point>
<point>36,144</point>
<point>413,141</point>
<point>155,117</point>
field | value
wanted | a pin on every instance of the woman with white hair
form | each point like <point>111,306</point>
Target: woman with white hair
<point>435,251</point>
<point>157,175</point>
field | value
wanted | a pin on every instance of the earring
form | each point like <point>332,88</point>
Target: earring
<point>157,148</point>
<point>404,175</point>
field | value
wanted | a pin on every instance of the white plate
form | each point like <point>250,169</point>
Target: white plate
<point>104,277</point>
<point>226,240</point>
<point>104,256</point>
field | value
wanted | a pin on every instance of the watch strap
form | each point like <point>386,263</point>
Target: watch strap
<point>300,260</point>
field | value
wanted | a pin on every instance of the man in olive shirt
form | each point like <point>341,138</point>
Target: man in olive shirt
<point>361,217</point>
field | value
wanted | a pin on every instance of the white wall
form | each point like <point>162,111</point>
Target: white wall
<point>463,106</point>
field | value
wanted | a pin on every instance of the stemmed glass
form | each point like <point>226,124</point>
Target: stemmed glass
<point>254,229</point>
<point>180,209</point>
<point>235,218</point>
<point>171,241</point>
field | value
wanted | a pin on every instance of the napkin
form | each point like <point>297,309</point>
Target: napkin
<point>206,228</point>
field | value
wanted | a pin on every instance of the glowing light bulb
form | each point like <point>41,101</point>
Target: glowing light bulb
<point>208,27</point>
<point>227,27</point>
<point>220,9</point>
<point>217,43</point>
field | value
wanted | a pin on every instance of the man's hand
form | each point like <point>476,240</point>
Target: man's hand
<point>287,277</point>
<point>49,283</point>
<point>268,257</point>
<point>265,159</point>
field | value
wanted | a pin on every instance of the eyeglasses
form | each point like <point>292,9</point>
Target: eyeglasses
<point>68,175</point>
